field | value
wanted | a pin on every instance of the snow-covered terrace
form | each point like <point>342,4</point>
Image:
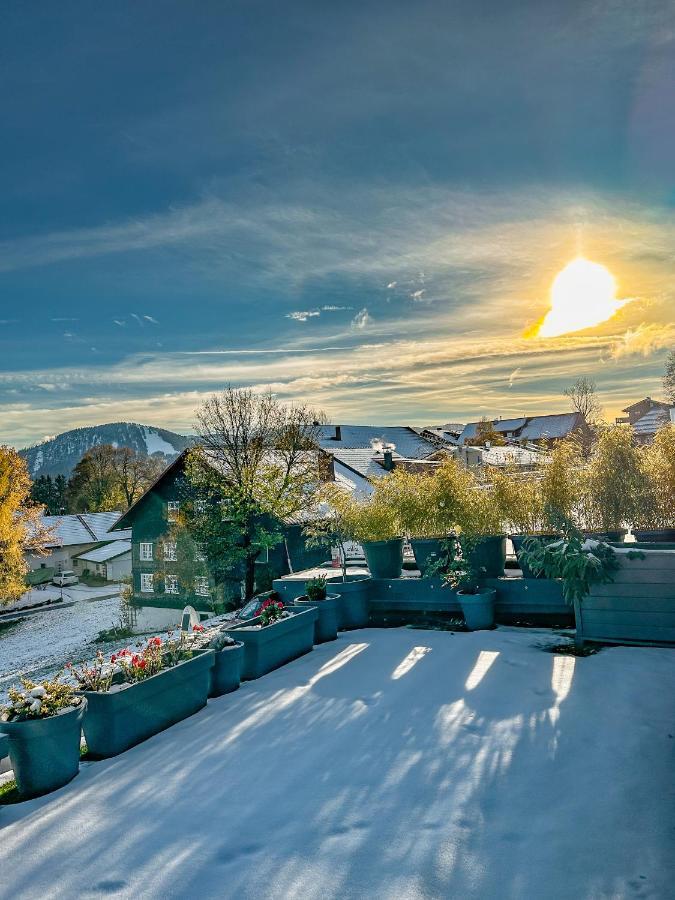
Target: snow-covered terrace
<point>387,764</point>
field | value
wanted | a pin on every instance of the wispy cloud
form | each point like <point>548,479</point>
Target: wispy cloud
<point>151,319</point>
<point>303,315</point>
<point>362,318</point>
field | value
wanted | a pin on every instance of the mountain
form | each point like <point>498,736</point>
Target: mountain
<point>60,455</point>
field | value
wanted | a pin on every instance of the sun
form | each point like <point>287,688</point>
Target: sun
<point>583,294</point>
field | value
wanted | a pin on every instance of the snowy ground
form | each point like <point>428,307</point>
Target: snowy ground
<point>388,764</point>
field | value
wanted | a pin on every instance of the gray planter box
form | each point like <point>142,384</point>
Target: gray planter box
<point>326,625</point>
<point>384,558</point>
<point>353,605</point>
<point>45,753</point>
<point>119,720</point>
<point>226,671</point>
<point>638,607</point>
<point>270,647</point>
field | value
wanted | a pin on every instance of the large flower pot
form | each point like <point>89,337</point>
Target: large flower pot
<point>353,603</point>
<point>270,646</point>
<point>128,714</point>
<point>427,552</point>
<point>478,609</point>
<point>518,541</point>
<point>326,625</point>
<point>489,554</point>
<point>654,535</point>
<point>45,753</point>
<point>226,671</point>
<point>384,558</point>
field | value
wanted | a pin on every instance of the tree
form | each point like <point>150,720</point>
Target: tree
<point>669,377</point>
<point>50,493</point>
<point>584,399</point>
<point>487,433</point>
<point>110,478</point>
<point>21,528</point>
<point>257,465</point>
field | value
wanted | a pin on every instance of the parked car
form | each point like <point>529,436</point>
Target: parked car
<point>62,579</point>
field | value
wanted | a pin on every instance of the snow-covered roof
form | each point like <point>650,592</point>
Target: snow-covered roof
<point>401,438</point>
<point>510,455</point>
<point>652,421</point>
<point>352,480</point>
<point>529,428</point>
<point>364,461</point>
<point>85,528</point>
<point>106,552</point>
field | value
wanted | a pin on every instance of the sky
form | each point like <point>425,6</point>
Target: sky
<point>362,205</point>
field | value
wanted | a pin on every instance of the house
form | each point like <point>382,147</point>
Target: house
<point>74,535</point>
<point>111,561</point>
<point>531,429</point>
<point>638,410</point>
<point>164,570</point>
<point>646,417</point>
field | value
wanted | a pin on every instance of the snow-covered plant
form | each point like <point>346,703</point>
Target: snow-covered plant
<point>38,701</point>
<point>96,676</point>
<point>270,611</point>
<point>577,562</point>
<point>138,666</point>
<point>220,640</point>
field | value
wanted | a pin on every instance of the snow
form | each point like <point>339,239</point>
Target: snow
<point>155,443</point>
<point>388,764</point>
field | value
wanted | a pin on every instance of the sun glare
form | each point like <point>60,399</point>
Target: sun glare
<point>583,294</point>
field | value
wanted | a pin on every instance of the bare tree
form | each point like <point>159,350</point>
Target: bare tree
<point>261,459</point>
<point>584,399</point>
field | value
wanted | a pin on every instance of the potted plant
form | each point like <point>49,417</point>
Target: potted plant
<point>420,512</point>
<point>228,659</point>
<point>654,520</point>
<point>580,563</point>
<point>275,637</point>
<point>611,485</point>
<point>460,571</point>
<point>335,529</point>
<point>326,605</point>
<point>42,723</point>
<point>136,694</point>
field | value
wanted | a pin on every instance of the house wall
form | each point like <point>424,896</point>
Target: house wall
<point>60,558</point>
<point>119,568</point>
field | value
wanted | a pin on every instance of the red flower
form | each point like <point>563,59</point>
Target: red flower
<point>142,664</point>
<point>113,658</point>
<point>198,628</point>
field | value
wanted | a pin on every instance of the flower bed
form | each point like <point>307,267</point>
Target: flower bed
<point>141,694</point>
<point>266,647</point>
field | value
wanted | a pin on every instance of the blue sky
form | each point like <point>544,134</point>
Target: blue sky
<point>360,204</point>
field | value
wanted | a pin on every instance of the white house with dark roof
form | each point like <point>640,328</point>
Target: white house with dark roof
<point>530,429</point>
<point>111,561</point>
<point>76,534</point>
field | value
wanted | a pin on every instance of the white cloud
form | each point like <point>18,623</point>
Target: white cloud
<point>150,319</point>
<point>362,318</point>
<point>417,295</point>
<point>303,315</point>
<point>643,340</point>
<point>391,285</point>
<point>514,375</point>
<point>330,308</point>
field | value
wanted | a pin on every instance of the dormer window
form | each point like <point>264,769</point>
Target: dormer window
<point>172,510</point>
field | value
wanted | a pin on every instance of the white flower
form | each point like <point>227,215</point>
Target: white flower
<point>38,692</point>
<point>36,706</point>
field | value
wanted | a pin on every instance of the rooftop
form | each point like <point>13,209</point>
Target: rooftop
<point>85,528</point>
<point>106,552</point>
<point>388,764</point>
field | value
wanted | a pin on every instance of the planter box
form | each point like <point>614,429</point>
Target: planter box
<point>536,600</point>
<point>45,753</point>
<point>489,554</point>
<point>4,746</point>
<point>226,671</point>
<point>326,625</point>
<point>119,720</point>
<point>638,607</point>
<point>427,552</point>
<point>270,647</point>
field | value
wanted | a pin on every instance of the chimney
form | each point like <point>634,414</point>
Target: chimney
<point>387,461</point>
<point>338,433</point>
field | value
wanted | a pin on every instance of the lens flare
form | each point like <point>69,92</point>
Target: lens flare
<point>583,294</point>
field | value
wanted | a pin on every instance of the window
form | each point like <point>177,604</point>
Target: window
<point>200,507</point>
<point>170,551</point>
<point>200,553</point>
<point>145,552</point>
<point>171,584</point>
<point>147,583</point>
<point>202,586</point>
<point>172,510</point>
<point>226,509</point>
